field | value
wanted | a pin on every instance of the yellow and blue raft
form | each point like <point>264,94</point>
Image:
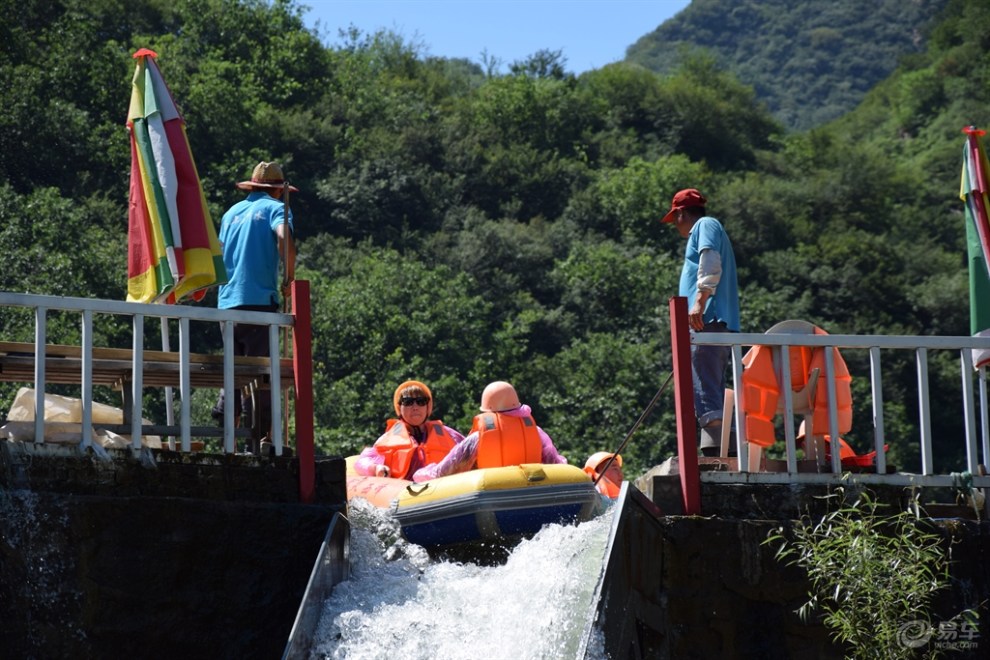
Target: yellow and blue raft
<point>493,504</point>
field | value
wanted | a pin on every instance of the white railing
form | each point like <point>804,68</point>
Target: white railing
<point>974,408</point>
<point>138,312</point>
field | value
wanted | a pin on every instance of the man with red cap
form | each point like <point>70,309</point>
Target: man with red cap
<point>708,281</point>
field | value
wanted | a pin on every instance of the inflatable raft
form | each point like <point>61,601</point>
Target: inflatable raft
<point>495,504</point>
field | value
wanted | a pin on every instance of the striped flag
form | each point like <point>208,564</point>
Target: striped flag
<point>974,190</point>
<point>173,251</point>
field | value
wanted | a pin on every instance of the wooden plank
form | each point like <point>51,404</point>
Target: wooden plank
<point>112,366</point>
<point>126,354</point>
<point>174,431</point>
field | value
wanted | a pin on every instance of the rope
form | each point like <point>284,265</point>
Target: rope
<point>649,408</point>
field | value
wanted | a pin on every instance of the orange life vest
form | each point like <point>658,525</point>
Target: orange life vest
<point>762,391</point>
<point>399,447</point>
<point>506,440</point>
<point>604,485</point>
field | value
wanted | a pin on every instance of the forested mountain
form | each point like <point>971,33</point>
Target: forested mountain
<point>810,61</point>
<point>460,226</point>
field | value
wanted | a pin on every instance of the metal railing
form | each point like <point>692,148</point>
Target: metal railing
<point>296,322</point>
<point>973,392</point>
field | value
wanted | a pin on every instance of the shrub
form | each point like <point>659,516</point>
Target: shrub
<point>872,575</point>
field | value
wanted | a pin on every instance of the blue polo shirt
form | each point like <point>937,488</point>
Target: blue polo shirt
<point>708,234</point>
<point>250,251</point>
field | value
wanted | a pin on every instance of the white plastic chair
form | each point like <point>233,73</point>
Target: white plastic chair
<point>802,401</point>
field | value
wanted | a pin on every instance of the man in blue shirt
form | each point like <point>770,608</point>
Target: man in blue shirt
<point>708,281</point>
<point>253,237</point>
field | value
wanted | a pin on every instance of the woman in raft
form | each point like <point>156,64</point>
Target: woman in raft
<point>410,442</point>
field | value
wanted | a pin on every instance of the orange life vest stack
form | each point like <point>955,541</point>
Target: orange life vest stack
<point>762,388</point>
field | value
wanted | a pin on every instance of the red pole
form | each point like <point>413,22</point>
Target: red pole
<point>687,424</point>
<point>302,366</point>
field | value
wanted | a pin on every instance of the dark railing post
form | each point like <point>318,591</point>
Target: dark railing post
<point>302,366</point>
<point>687,427</point>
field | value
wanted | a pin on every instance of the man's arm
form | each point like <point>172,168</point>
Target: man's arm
<point>696,315</point>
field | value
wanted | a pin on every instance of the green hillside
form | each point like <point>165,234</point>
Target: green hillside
<point>810,61</point>
<point>460,226</point>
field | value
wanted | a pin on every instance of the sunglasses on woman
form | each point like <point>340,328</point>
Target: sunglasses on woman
<point>413,400</point>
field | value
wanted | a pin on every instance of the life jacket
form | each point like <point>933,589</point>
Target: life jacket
<point>604,485</point>
<point>398,446</point>
<point>506,440</point>
<point>762,391</point>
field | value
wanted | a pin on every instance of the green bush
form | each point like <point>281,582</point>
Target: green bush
<point>872,575</point>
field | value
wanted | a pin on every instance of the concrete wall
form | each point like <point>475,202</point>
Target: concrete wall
<point>704,587</point>
<point>164,555</point>
<point>121,559</point>
<point>159,473</point>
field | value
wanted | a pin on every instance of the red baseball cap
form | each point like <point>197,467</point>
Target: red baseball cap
<point>682,200</point>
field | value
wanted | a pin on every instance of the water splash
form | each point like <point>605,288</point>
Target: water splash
<point>32,538</point>
<point>400,603</point>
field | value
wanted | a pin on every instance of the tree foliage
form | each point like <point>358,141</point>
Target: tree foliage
<point>873,576</point>
<point>810,62</point>
<point>459,225</point>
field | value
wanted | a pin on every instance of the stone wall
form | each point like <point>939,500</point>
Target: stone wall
<point>714,589</point>
<point>159,554</point>
<point>177,559</point>
<point>162,473</point>
<point>725,595</point>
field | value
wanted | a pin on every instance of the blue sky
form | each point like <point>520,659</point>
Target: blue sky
<point>591,33</point>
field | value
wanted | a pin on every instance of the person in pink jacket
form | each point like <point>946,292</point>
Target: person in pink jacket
<point>499,398</point>
<point>412,440</point>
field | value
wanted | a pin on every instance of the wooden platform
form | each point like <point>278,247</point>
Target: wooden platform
<point>114,367</point>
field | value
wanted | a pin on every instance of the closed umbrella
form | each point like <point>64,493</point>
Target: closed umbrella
<point>172,248</point>
<point>173,251</point>
<point>974,190</point>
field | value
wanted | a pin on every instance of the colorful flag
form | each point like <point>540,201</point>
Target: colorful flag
<point>173,251</point>
<point>974,191</point>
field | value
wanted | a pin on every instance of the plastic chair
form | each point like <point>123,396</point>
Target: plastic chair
<point>802,400</point>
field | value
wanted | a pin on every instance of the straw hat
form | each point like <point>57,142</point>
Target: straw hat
<point>266,175</point>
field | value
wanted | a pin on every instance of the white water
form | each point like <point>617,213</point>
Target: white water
<point>400,604</point>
